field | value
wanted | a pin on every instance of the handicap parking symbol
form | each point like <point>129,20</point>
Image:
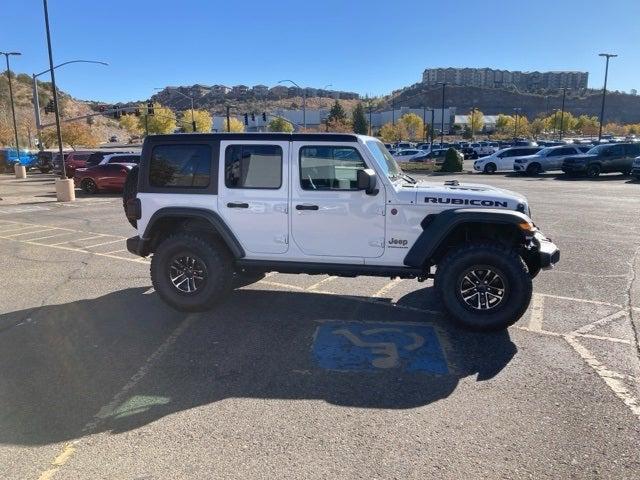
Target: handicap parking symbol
<point>359,346</point>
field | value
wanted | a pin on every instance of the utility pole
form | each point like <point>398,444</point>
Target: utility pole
<point>555,121</point>
<point>13,110</point>
<point>444,84</point>
<point>228,119</point>
<point>431,127</point>
<point>370,125</point>
<point>604,90</point>
<point>564,93</point>
<point>424,124</point>
<point>393,111</point>
<point>473,114</point>
<point>515,133</point>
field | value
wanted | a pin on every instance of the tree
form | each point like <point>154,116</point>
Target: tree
<point>339,125</point>
<point>614,128</point>
<point>452,161</point>
<point>280,125</point>
<point>538,126</point>
<point>506,126</point>
<point>413,126</point>
<point>476,121</point>
<point>203,120</point>
<point>337,112</point>
<point>587,125</point>
<point>131,124</point>
<point>393,133</point>
<point>74,134</point>
<point>163,120</point>
<point>236,125</point>
<point>359,120</point>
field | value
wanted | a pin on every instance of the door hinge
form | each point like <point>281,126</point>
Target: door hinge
<point>380,210</point>
<point>281,207</point>
<point>377,242</point>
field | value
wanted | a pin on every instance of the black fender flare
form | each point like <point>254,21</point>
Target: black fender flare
<point>216,222</point>
<point>437,227</point>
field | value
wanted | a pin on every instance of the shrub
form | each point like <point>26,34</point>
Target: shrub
<point>452,161</point>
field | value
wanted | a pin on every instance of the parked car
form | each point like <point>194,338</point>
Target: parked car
<point>436,156</point>
<point>9,157</point>
<point>483,148</point>
<point>405,145</point>
<point>468,153</point>
<point>44,161</point>
<point>546,160</point>
<point>96,157</point>
<point>606,158</point>
<point>72,160</point>
<point>407,154</point>
<point>424,146</point>
<point>635,168</point>
<point>110,174</point>
<point>502,160</point>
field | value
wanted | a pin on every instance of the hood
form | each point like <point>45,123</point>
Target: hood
<point>465,195</point>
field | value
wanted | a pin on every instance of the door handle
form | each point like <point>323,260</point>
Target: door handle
<point>237,205</point>
<point>307,207</point>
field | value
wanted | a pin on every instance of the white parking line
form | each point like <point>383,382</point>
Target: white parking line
<point>104,243</point>
<point>75,240</point>
<point>115,251</point>
<point>387,288</point>
<point>537,313</point>
<point>598,323</point>
<point>29,233</point>
<point>48,236</point>
<point>321,282</point>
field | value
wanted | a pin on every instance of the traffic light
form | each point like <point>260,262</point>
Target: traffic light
<point>264,116</point>
<point>253,117</point>
<point>150,108</point>
<point>246,119</point>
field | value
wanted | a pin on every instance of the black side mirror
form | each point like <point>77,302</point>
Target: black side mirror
<point>366,180</point>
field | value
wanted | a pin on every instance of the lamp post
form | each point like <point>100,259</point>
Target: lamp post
<point>444,84</point>
<point>13,110</point>
<point>604,90</point>
<point>473,116</point>
<point>515,132</point>
<point>564,94</point>
<point>304,102</point>
<point>555,121</point>
<point>193,120</point>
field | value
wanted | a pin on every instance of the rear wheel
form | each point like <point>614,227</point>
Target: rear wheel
<point>490,168</point>
<point>89,186</point>
<point>534,169</point>
<point>593,170</point>
<point>190,272</point>
<point>45,169</point>
<point>484,287</point>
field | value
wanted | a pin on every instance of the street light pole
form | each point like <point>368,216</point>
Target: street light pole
<point>13,110</point>
<point>442,119</point>
<point>555,121</point>
<point>564,93</point>
<point>515,133</point>
<point>604,90</point>
<point>304,102</point>
<point>431,127</point>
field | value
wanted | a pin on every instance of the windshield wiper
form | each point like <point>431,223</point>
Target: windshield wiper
<point>408,178</point>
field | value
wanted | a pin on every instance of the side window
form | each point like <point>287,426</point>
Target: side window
<point>253,166</point>
<point>329,168</point>
<point>633,150</point>
<point>180,166</point>
<point>617,151</point>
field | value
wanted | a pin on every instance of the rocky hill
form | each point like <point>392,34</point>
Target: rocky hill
<point>620,107</point>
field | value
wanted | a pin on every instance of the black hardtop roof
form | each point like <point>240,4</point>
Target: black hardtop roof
<point>290,137</point>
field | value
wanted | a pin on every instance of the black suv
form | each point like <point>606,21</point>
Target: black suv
<point>615,157</point>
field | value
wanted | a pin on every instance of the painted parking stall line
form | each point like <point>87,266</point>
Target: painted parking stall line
<point>371,347</point>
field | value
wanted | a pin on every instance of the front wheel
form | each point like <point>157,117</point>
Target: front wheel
<point>490,168</point>
<point>533,169</point>
<point>593,171</point>
<point>190,272</point>
<point>484,287</point>
<point>89,186</point>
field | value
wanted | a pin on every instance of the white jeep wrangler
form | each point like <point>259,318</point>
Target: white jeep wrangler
<point>220,210</point>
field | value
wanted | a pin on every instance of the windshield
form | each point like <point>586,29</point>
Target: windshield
<point>545,151</point>
<point>597,149</point>
<point>383,158</point>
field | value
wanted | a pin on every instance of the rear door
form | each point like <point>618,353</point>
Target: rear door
<point>616,160</point>
<point>253,193</point>
<point>556,157</point>
<point>329,216</point>
<point>632,150</point>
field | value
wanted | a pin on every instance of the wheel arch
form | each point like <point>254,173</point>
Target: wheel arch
<point>167,220</point>
<point>454,227</point>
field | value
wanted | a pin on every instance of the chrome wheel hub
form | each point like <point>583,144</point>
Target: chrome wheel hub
<point>482,288</point>
<point>187,273</point>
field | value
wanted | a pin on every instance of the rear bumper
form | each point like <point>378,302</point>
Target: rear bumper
<point>139,246</point>
<point>548,253</point>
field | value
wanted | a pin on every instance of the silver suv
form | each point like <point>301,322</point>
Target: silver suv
<point>547,159</point>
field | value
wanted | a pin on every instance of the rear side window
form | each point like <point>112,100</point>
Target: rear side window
<point>253,166</point>
<point>180,166</point>
<point>633,150</point>
<point>329,168</point>
<point>616,150</point>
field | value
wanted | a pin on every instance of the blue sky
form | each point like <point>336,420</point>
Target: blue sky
<point>364,46</point>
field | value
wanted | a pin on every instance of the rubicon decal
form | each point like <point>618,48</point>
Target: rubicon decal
<point>466,201</point>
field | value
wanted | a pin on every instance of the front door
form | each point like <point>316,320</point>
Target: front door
<point>329,215</point>
<point>252,193</point>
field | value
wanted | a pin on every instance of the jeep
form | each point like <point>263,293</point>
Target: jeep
<point>615,157</point>
<point>220,210</point>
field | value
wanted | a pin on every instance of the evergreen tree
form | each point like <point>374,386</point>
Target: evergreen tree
<point>337,113</point>
<point>359,120</point>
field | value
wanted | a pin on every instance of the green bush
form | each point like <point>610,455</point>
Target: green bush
<point>452,161</point>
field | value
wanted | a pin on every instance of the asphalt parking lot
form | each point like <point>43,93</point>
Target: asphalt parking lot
<point>101,380</point>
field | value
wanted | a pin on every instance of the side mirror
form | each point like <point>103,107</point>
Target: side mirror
<point>366,180</point>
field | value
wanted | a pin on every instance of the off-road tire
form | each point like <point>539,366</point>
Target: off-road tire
<point>490,168</point>
<point>513,271</point>
<point>129,191</point>
<point>89,186</point>
<point>593,170</point>
<point>218,271</point>
<point>534,169</point>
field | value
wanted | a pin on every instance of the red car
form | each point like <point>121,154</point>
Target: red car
<point>72,160</point>
<point>108,175</point>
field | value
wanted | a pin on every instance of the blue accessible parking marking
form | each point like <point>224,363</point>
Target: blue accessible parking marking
<point>357,346</point>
